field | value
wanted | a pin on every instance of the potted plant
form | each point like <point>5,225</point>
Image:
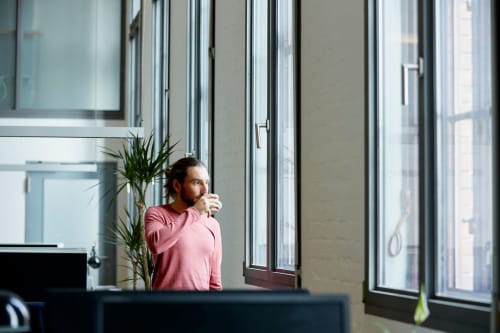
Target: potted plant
<point>140,165</point>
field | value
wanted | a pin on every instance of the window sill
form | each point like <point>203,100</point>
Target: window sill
<point>267,279</point>
<point>444,315</point>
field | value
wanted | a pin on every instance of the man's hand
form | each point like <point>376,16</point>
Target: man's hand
<point>208,204</point>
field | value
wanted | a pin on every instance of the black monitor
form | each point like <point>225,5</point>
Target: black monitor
<point>276,312</point>
<point>261,311</point>
<point>30,271</point>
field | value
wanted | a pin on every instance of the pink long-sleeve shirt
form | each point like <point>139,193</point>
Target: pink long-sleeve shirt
<point>186,248</point>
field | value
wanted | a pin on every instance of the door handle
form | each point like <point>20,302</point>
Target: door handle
<point>405,68</point>
<point>258,126</point>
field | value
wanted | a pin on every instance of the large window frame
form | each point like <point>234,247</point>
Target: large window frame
<point>268,251</point>
<point>17,111</point>
<point>455,313</point>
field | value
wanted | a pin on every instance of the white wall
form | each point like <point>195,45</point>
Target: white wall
<point>229,132</point>
<point>332,134</point>
<point>178,76</point>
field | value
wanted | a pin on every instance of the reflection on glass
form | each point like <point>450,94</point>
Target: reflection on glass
<point>204,96</point>
<point>135,7</point>
<point>70,61</point>
<point>134,83</point>
<point>398,166</point>
<point>8,53</point>
<point>259,110</point>
<point>286,137</point>
<point>463,114</point>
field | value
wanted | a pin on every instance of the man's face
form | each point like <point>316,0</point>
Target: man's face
<point>195,185</point>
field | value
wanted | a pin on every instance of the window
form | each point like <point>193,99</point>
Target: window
<point>135,62</point>
<point>83,191</point>
<point>201,53</point>
<point>272,218</point>
<point>60,58</point>
<point>161,17</point>
<point>429,198</point>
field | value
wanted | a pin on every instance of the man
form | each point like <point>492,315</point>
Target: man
<point>183,236</point>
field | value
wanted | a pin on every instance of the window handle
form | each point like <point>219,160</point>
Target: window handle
<point>405,68</point>
<point>258,126</point>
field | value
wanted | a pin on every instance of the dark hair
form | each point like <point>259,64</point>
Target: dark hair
<point>178,171</point>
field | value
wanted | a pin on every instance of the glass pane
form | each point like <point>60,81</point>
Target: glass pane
<point>193,78</point>
<point>134,82</point>
<point>286,137</point>
<point>161,18</point>
<point>8,53</point>
<point>259,111</point>
<point>463,65</point>
<point>397,127</point>
<point>135,7</point>
<point>204,81</point>
<point>79,196</point>
<point>23,210</point>
<point>72,60</point>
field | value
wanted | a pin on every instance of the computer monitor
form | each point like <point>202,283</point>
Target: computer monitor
<point>30,270</point>
<point>77,311</point>
<point>221,312</point>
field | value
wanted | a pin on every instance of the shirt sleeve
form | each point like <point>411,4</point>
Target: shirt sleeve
<point>215,272</point>
<point>162,230</point>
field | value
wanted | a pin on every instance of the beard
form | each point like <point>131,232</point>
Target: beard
<point>189,201</point>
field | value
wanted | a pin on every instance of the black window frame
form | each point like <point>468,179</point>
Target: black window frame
<point>445,314</point>
<point>270,276</point>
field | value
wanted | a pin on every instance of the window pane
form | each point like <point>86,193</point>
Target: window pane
<point>193,78</point>
<point>135,7</point>
<point>286,137</point>
<point>135,77</point>
<point>8,53</point>
<point>397,132</point>
<point>204,81</point>
<point>259,111</point>
<point>160,87</point>
<point>464,149</point>
<point>70,60</point>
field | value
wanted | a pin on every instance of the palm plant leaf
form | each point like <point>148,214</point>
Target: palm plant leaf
<point>140,165</point>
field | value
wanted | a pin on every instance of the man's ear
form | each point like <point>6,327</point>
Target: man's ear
<point>177,186</point>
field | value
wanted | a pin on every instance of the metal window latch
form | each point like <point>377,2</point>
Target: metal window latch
<point>405,68</point>
<point>258,126</point>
